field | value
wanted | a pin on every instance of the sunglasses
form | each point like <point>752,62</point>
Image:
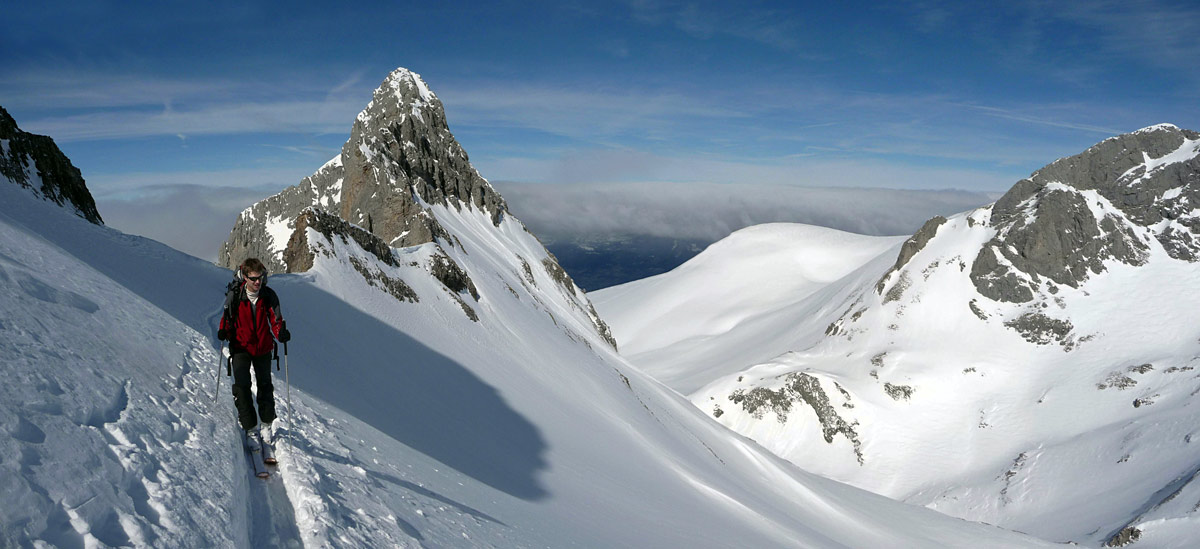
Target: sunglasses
<point>254,278</point>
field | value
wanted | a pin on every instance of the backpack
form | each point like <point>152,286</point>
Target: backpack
<point>232,291</point>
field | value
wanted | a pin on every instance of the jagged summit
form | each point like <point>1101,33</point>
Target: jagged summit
<point>401,182</point>
<point>36,163</point>
<point>1156,127</point>
<point>407,88</point>
<point>400,159</point>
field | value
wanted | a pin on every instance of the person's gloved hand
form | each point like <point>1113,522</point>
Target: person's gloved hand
<point>222,334</point>
<point>284,335</point>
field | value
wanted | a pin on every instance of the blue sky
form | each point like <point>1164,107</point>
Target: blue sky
<point>922,95</point>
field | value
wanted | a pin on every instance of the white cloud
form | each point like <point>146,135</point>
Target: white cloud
<point>237,118</point>
<point>708,211</point>
<point>625,165</point>
<point>119,186</point>
<point>74,105</point>
<point>193,219</point>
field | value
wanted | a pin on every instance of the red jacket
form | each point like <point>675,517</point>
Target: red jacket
<point>255,326</point>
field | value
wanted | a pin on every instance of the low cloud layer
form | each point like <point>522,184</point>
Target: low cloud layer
<point>196,219</point>
<point>193,219</point>
<point>709,212</point>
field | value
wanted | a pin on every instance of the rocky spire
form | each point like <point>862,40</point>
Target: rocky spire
<point>400,159</point>
<point>36,163</point>
<point>401,148</point>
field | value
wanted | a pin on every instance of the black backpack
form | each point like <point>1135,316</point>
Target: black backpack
<point>232,292</point>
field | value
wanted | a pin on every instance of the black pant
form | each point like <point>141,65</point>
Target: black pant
<point>241,389</point>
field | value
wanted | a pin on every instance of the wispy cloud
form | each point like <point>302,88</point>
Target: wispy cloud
<point>1075,41</point>
<point>759,126</point>
<point>75,106</point>
<point>583,110</point>
<point>767,26</point>
<point>1020,117</point>
<point>223,119</point>
<point>1161,33</point>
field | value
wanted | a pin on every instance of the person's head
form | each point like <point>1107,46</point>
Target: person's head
<point>254,272</point>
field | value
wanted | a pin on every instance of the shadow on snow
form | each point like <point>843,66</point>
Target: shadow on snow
<point>343,356</point>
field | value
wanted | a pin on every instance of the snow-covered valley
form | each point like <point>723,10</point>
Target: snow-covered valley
<point>1029,364</point>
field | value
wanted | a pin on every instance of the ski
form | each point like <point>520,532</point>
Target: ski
<point>268,453</point>
<point>255,457</point>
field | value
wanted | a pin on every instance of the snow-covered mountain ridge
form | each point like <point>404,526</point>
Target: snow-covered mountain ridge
<point>1029,364</point>
<point>410,423</point>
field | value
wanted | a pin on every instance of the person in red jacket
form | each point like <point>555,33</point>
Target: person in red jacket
<point>251,323</point>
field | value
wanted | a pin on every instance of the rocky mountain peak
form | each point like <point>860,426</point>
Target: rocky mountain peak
<point>36,163</point>
<point>401,153</point>
<point>400,176</point>
<point>408,88</point>
<point>400,159</point>
<point>1069,218</point>
<point>1131,170</point>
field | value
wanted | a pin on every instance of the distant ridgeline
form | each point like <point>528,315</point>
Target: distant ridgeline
<point>36,163</point>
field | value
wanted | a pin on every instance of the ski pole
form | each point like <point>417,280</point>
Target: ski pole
<point>217,393</point>
<point>288,379</point>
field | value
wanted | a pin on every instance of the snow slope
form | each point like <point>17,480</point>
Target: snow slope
<point>735,304</point>
<point>410,424</point>
<point>1071,417</point>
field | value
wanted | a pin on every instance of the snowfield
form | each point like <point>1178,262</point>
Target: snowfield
<point>916,387</point>
<point>410,424</point>
<point>735,304</point>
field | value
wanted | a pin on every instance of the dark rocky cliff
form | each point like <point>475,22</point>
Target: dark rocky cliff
<point>36,163</point>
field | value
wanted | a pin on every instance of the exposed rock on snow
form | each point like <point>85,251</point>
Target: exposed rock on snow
<point>798,387</point>
<point>1038,328</point>
<point>36,163</point>
<point>452,276</point>
<point>912,246</point>
<point>299,254</point>
<point>1050,226</point>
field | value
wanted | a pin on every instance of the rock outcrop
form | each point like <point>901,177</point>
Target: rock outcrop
<point>36,163</point>
<point>1071,217</point>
